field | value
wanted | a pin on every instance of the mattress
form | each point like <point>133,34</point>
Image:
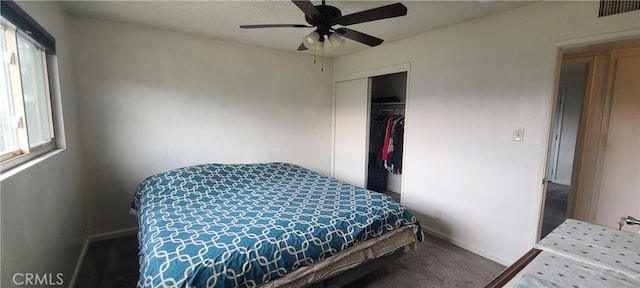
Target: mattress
<point>245,225</point>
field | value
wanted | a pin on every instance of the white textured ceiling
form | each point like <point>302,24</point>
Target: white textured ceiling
<point>220,19</point>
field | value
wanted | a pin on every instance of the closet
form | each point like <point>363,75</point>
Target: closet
<point>369,131</point>
<point>386,132</point>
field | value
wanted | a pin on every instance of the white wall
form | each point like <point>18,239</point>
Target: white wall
<point>573,81</point>
<point>153,100</point>
<point>42,210</point>
<point>470,85</point>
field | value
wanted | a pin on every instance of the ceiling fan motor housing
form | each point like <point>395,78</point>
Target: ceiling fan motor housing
<point>330,15</point>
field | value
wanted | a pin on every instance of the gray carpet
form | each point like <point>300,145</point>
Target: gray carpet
<point>555,207</point>
<point>110,263</point>
<point>436,263</point>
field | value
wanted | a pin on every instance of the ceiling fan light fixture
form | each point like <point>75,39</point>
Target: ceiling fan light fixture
<point>336,40</point>
<point>317,48</point>
<point>311,40</point>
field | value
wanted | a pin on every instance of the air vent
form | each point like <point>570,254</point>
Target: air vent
<point>611,7</point>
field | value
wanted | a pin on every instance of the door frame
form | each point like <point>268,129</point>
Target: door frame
<point>581,191</point>
<point>557,133</point>
<point>587,162</point>
<point>404,67</point>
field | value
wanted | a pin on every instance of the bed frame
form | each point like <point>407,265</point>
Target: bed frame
<point>358,272</point>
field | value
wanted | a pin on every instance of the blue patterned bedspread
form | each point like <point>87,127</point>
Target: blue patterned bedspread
<point>219,225</point>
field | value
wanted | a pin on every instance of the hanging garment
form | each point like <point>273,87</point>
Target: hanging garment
<point>395,157</point>
<point>380,125</point>
<point>376,139</point>
<point>393,138</point>
<point>387,137</point>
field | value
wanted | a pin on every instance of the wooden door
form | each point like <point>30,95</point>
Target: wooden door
<point>619,193</point>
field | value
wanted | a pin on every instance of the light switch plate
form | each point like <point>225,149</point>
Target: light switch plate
<point>518,134</point>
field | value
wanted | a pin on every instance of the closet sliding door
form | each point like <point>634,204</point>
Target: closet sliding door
<point>351,133</point>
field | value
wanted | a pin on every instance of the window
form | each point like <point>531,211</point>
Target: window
<point>26,122</point>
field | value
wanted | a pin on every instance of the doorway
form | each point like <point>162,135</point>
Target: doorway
<point>388,103</point>
<point>608,128</point>
<point>570,98</point>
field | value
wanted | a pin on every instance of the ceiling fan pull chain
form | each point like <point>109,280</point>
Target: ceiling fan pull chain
<point>322,57</point>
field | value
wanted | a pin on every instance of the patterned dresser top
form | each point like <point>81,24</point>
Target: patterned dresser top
<point>598,245</point>
<point>578,254</point>
<point>551,270</point>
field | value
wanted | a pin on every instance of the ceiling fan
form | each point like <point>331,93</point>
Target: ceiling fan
<point>323,17</point>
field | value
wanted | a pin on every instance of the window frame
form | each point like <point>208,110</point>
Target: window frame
<point>16,22</point>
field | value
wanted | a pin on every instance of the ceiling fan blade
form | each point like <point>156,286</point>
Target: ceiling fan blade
<point>359,36</point>
<point>309,10</point>
<point>384,12</point>
<point>275,26</point>
<point>302,47</point>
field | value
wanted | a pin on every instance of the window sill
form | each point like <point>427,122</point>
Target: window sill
<point>30,163</point>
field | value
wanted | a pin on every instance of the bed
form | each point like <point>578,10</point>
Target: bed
<point>262,225</point>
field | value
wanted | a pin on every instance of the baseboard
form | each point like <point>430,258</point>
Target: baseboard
<point>113,234</point>
<point>465,246</point>
<point>96,238</point>
<point>562,182</point>
<point>76,271</point>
